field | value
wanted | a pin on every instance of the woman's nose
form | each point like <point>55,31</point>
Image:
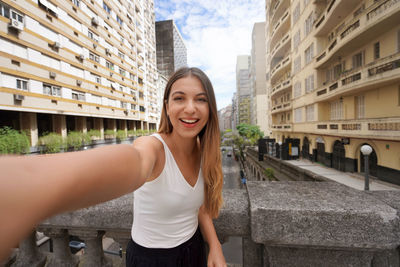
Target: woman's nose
<point>190,106</point>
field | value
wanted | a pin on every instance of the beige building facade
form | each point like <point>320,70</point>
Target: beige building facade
<point>77,65</point>
<point>335,81</point>
<point>243,89</point>
<point>259,98</point>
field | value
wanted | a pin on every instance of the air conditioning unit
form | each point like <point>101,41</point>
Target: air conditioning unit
<point>108,51</point>
<point>81,57</point>
<point>126,111</point>
<point>57,45</point>
<point>52,74</point>
<point>19,97</point>
<point>94,45</point>
<point>78,82</point>
<point>95,21</point>
<point>15,24</point>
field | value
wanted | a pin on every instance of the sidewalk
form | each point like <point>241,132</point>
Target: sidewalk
<point>353,180</point>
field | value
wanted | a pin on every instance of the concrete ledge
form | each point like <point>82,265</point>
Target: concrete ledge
<point>324,214</point>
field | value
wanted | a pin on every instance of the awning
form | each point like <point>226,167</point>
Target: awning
<point>50,6</point>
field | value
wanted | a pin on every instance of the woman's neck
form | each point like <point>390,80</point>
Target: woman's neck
<point>186,146</point>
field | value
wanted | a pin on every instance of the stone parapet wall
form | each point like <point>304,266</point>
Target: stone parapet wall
<point>283,223</point>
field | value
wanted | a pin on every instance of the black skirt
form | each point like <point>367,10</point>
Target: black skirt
<point>188,254</point>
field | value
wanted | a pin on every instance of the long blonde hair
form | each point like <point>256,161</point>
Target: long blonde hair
<point>209,139</point>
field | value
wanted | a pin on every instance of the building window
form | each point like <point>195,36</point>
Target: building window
<point>106,8</point>
<point>309,83</point>
<point>123,105</point>
<point>308,25</point>
<point>17,16</point>
<point>297,115</point>
<point>110,65</point>
<point>122,72</point>
<point>133,106</point>
<point>142,109</point>
<point>140,94</point>
<point>96,78</point>
<point>76,95</point>
<point>76,2</point>
<point>360,107</point>
<point>309,53</point>
<point>132,76</point>
<point>377,51</point>
<point>296,39</point>
<point>297,65</point>
<point>337,110</point>
<point>296,13</point>
<point>121,55</point>
<point>94,57</point>
<point>297,89</point>
<point>119,20</point>
<point>51,90</point>
<point>93,36</point>
<point>310,112</point>
<point>4,10</point>
<point>22,84</point>
<point>358,60</point>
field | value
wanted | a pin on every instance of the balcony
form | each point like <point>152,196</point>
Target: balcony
<point>280,29</point>
<point>333,15</point>
<point>281,67</point>
<point>284,83</point>
<point>280,7</point>
<point>282,107</point>
<point>380,72</point>
<point>282,46</point>
<point>282,127</point>
<point>379,128</point>
<point>373,21</point>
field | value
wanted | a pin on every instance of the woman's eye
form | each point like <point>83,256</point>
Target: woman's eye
<point>202,99</point>
<point>178,98</point>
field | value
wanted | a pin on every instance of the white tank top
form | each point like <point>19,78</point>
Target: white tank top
<point>165,212</point>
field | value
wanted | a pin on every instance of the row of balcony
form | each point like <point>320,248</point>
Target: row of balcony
<point>285,106</point>
<point>365,77</point>
<point>285,62</point>
<point>380,128</point>
<point>372,19</point>
<point>284,20</point>
<point>283,43</point>
<point>281,86</point>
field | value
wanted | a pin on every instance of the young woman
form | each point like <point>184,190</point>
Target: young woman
<point>176,177</point>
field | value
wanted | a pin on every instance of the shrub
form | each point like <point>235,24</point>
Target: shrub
<point>269,173</point>
<point>139,132</point>
<point>121,135</point>
<point>109,134</point>
<point>52,143</point>
<point>13,141</point>
<point>75,140</point>
<point>131,133</point>
<point>94,134</point>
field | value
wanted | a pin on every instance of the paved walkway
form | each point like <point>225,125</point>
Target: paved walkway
<point>353,180</point>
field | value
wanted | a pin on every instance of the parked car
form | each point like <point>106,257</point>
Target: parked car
<point>76,246</point>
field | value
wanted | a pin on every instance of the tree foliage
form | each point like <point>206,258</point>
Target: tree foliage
<point>250,133</point>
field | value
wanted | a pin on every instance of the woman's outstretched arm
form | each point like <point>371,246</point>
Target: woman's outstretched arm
<point>33,188</point>
<point>215,256</point>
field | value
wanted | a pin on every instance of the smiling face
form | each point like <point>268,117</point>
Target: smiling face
<point>187,107</point>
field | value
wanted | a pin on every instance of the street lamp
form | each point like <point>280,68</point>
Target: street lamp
<point>366,150</point>
<point>280,149</point>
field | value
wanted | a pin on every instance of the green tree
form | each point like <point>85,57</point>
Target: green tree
<point>251,133</point>
<point>13,141</point>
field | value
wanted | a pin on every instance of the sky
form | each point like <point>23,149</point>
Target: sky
<point>215,32</point>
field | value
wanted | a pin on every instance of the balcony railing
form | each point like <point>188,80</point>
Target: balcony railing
<point>358,25</point>
<point>283,63</point>
<point>375,72</point>
<point>379,127</point>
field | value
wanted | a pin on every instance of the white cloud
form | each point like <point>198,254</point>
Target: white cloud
<point>215,32</point>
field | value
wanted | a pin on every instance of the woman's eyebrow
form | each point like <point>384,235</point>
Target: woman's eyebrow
<point>177,92</point>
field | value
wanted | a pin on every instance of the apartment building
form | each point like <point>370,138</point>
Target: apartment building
<point>77,65</point>
<point>171,49</point>
<point>259,100</point>
<point>243,89</point>
<point>335,81</point>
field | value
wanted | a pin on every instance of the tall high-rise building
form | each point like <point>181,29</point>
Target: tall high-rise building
<point>335,79</point>
<point>171,49</point>
<point>77,65</point>
<point>259,99</point>
<point>243,89</point>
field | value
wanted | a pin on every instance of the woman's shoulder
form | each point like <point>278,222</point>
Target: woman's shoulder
<point>148,141</point>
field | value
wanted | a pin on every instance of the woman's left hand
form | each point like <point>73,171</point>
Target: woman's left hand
<point>216,257</point>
